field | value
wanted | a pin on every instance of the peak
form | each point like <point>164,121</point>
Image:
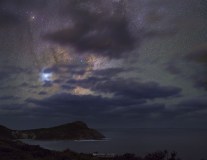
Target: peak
<point>4,128</point>
<point>5,132</point>
<point>72,131</point>
<point>78,124</point>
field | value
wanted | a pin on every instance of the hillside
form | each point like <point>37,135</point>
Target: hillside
<point>5,133</point>
<point>16,150</point>
<point>70,131</point>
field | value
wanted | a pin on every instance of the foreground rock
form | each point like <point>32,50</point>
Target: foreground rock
<point>16,150</point>
<point>5,133</point>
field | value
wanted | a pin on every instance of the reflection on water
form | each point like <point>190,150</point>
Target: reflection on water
<point>190,144</point>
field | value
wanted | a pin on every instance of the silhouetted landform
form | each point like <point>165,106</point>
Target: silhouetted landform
<point>17,150</point>
<point>5,133</point>
<point>70,131</point>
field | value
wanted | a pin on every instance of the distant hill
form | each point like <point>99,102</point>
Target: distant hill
<point>71,131</point>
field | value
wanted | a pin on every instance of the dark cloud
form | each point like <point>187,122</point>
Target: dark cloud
<point>89,82</point>
<point>70,100</point>
<point>97,76</point>
<point>24,84</point>
<point>192,105</point>
<point>203,7</point>
<point>7,71</point>
<point>105,31</point>
<point>110,71</point>
<point>8,19</point>
<point>58,81</point>
<point>149,90</point>
<point>82,105</point>
<point>4,75</point>
<point>172,68</point>
<point>69,69</point>
<point>14,13</point>
<point>99,108</point>
<point>11,107</point>
<point>139,111</point>
<point>201,82</point>
<point>42,93</point>
<point>47,84</point>
<point>67,87</point>
<point>103,34</point>
<point>199,78</point>
<point>199,57</point>
<point>50,70</point>
<point>8,98</point>
<point>130,88</point>
<point>27,4</point>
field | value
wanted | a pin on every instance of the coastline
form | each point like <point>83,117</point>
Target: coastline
<point>17,150</point>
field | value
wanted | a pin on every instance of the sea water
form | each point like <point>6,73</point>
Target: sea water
<point>190,144</point>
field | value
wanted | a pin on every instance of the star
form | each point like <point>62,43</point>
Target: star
<point>46,77</point>
<point>32,18</point>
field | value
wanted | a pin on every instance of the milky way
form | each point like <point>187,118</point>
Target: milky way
<point>138,62</point>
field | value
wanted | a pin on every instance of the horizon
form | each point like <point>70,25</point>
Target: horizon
<point>102,128</point>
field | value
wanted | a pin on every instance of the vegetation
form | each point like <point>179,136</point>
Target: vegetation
<point>16,150</point>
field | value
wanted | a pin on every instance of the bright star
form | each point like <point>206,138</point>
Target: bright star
<point>32,17</point>
<point>46,76</point>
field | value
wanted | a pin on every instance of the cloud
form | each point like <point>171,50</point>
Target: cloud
<point>192,105</point>
<point>189,108</point>
<point>107,35</point>
<point>70,100</point>
<point>129,98</point>
<point>11,107</point>
<point>140,111</point>
<point>199,58</point>
<point>7,71</point>
<point>103,28</point>
<point>70,68</point>
<point>110,110</point>
<point>82,104</point>
<point>110,71</point>
<point>130,88</point>
<point>8,98</point>
<point>67,87</point>
<point>98,76</point>
<point>172,68</point>
<point>12,11</point>
<point>47,84</point>
<point>37,4</point>
<point>8,19</point>
<point>88,82</point>
<point>42,93</point>
<point>201,82</point>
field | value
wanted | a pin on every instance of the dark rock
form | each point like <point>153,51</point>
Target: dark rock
<point>71,131</point>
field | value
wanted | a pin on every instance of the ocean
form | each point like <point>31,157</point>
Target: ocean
<point>190,144</point>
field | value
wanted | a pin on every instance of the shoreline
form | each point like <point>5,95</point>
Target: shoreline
<point>15,149</point>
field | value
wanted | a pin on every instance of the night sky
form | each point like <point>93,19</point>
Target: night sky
<point>109,63</point>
